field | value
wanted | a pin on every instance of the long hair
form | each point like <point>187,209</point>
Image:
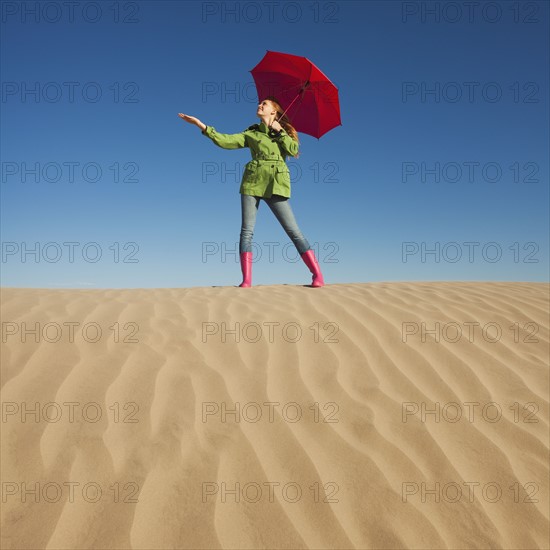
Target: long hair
<point>284,121</point>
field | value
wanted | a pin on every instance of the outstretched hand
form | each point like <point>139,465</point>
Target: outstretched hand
<point>192,120</point>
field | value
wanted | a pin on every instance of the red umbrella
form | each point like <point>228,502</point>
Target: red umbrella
<point>310,98</point>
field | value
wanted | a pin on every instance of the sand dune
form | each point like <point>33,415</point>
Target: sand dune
<point>383,415</point>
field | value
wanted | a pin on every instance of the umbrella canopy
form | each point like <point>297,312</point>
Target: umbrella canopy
<point>309,98</point>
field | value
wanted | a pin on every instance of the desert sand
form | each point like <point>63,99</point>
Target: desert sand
<point>366,415</point>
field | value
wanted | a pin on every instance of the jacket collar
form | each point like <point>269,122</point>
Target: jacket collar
<point>263,127</point>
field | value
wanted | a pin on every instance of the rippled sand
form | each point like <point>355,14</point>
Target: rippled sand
<point>385,415</point>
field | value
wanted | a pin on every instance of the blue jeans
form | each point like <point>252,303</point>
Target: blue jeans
<point>283,212</point>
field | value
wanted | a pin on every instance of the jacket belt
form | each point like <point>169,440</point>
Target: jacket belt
<point>267,157</point>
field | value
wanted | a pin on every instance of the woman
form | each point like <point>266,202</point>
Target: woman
<point>265,177</point>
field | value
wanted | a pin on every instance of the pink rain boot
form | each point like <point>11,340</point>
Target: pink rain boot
<point>313,265</point>
<point>246,268</point>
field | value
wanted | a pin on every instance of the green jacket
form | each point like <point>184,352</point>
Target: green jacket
<point>267,173</point>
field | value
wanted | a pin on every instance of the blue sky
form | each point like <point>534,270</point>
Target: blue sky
<point>130,185</point>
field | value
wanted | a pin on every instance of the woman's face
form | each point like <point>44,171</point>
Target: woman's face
<point>265,108</point>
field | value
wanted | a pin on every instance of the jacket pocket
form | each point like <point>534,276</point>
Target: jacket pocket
<point>250,172</point>
<point>283,175</point>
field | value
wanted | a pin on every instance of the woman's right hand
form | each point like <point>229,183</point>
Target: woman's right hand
<point>192,120</point>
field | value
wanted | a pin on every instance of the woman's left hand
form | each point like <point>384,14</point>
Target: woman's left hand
<point>276,126</point>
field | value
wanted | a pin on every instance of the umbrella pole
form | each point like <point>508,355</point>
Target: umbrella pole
<point>300,93</point>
